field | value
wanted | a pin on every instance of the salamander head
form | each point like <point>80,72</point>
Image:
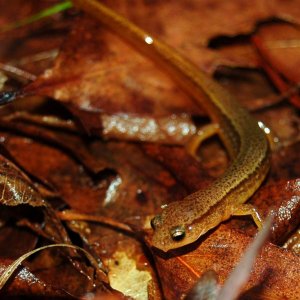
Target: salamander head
<point>171,232</point>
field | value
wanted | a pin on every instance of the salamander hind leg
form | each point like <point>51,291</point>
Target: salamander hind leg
<point>202,134</point>
<point>273,140</point>
<point>248,209</point>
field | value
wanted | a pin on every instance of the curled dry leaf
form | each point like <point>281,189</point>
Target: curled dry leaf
<point>16,190</point>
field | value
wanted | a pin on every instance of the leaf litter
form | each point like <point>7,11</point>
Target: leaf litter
<point>97,78</point>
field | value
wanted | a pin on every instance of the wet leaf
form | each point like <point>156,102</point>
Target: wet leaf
<point>32,47</point>
<point>101,188</point>
<point>110,85</point>
<point>275,270</point>
<point>240,275</point>
<point>293,243</point>
<point>131,192</point>
<point>284,199</point>
<point>278,45</point>
<point>26,283</point>
<point>8,272</point>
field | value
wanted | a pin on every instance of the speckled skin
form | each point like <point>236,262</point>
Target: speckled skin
<point>244,140</point>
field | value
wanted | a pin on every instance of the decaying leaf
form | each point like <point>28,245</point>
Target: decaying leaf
<point>102,188</point>
<point>207,287</point>
<point>293,243</point>
<point>8,272</point>
<point>278,44</point>
<point>274,271</point>
<point>136,282</point>
<point>25,282</point>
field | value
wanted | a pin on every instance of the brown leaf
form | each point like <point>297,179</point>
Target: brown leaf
<point>275,271</point>
<point>278,45</point>
<point>120,89</point>
<point>26,283</point>
<point>293,243</point>
<point>72,143</point>
<point>21,239</point>
<point>283,163</point>
<point>250,87</point>
<point>32,47</point>
<point>284,199</point>
<point>109,85</point>
<point>123,254</point>
<point>83,77</point>
<point>97,72</point>
<point>17,190</point>
<point>133,191</point>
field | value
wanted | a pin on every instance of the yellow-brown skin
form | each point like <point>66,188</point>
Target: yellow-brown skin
<point>245,141</point>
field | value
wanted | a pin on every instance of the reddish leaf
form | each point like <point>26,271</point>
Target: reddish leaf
<point>141,190</point>
<point>109,85</point>
<point>275,271</point>
<point>95,73</point>
<point>277,44</point>
<point>32,47</point>
<point>279,47</point>
<point>82,77</point>
<point>26,283</point>
<point>284,198</point>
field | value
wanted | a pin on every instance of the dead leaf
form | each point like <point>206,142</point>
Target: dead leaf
<point>136,282</point>
<point>278,45</point>
<point>275,270</point>
<point>96,72</point>
<point>26,283</point>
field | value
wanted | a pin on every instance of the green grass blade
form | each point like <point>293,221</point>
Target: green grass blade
<point>40,15</point>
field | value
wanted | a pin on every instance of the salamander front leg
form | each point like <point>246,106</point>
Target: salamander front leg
<point>248,209</point>
<point>202,134</point>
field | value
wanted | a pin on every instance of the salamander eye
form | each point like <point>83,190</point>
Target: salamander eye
<point>177,233</point>
<point>156,221</point>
